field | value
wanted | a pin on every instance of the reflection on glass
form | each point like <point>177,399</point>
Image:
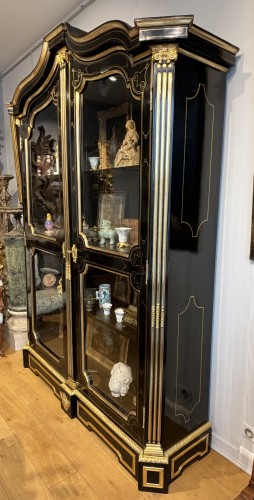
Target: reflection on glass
<point>50,302</point>
<point>46,200</point>
<point>110,312</point>
<point>110,165</point>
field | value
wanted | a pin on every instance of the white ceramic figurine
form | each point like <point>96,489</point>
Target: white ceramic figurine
<point>120,380</point>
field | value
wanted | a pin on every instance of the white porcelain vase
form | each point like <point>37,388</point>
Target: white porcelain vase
<point>94,162</point>
<point>123,233</point>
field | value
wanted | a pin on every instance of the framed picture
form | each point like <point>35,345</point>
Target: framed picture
<point>105,345</point>
<point>111,207</point>
<point>111,133</point>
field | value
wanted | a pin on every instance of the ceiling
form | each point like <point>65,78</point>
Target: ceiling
<point>24,23</point>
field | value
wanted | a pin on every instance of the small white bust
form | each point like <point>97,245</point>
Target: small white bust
<point>120,379</point>
<point>1,318</point>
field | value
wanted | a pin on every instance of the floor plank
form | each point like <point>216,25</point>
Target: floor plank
<point>7,437</point>
<point>3,494</point>
<point>45,455</point>
<point>19,478</point>
<point>49,460</point>
<point>73,487</point>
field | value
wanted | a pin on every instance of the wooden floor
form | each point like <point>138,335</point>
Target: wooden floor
<point>45,455</point>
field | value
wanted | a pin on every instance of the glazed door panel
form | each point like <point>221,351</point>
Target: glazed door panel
<point>109,170</point>
<point>44,176</point>
<point>110,326</point>
<point>112,169</point>
<point>47,304</point>
<point>47,217</point>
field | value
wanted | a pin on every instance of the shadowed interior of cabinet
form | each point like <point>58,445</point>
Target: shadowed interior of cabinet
<point>52,332</point>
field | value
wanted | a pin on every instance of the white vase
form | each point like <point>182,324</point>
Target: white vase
<point>123,233</point>
<point>94,162</point>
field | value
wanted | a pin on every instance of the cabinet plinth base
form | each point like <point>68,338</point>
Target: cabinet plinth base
<point>154,472</point>
<point>55,380</point>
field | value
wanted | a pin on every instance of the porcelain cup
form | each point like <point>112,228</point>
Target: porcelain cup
<point>94,161</point>
<point>119,312</point>
<point>106,308</point>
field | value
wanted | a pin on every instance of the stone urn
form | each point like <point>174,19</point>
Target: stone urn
<point>106,232</point>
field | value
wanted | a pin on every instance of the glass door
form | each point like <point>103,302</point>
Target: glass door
<point>108,125</point>
<point>47,224</point>
<point>110,166</point>
<point>47,302</point>
<point>110,329</point>
<point>45,200</point>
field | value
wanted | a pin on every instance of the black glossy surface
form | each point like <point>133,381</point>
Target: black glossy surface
<point>192,245</point>
<point>198,101</point>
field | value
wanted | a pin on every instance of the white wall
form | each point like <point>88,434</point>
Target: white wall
<point>232,380</point>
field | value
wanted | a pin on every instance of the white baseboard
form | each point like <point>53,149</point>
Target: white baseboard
<point>241,457</point>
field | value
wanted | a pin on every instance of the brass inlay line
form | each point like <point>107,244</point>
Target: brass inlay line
<point>164,57</point>
<point>45,364</point>
<point>154,258</point>
<point>157,315</point>
<point>109,423</point>
<point>32,295</point>
<point>82,322</point>
<point>77,132</point>
<point>38,109</point>
<point>160,471</point>
<point>100,55</point>
<point>40,90</point>
<point>63,114</point>
<point>191,298</point>
<point>154,453</point>
<point>105,28</point>
<point>44,57</point>
<point>188,439</point>
<point>39,235</point>
<point>38,372</point>
<point>14,135</point>
<point>195,235</point>
<point>107,430</point>
<point>153,317</point>
<point>92,389</point>
<point>165,183</point>
<point>199,453</point>
<point>26,153</point>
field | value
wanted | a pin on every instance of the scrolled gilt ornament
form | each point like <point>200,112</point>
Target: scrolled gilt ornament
<point>77,77</point>
<point>65,401</point>
<point>165,55</point>
<point>139,79</point>
<point>62,58</point>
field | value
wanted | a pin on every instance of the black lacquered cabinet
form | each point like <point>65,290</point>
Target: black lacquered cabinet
<point>117,138</point>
